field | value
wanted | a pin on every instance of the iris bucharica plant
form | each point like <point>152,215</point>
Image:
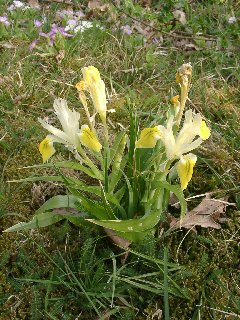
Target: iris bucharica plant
<point>131,177</point>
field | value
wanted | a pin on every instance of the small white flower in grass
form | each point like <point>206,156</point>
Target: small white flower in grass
<point>232,20</point>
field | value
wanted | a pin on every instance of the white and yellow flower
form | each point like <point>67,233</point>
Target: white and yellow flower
<point>68,136</point>
<point>193,132</point>
<point>93,83</point>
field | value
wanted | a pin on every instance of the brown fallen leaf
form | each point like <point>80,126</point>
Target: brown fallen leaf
<point>180,16</point>
<point>204,215</point>
<point>7,45</point>
<point>60,56</point>
<point>97,5</point>
<point>34,4</point>
<point>119,241</point>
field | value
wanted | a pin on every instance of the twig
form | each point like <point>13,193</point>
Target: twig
<point>58,1</point>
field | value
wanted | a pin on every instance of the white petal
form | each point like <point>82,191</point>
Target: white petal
<point>56,132</point>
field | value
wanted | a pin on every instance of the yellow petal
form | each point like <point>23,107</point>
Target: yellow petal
<point>174,99</point>
<point>148,138</point>
<point>204,131</point>
<point>91,74</point>
<point>89,139</point>
<point>81,86</point>
<point>96,87</point>
<point>185,169</point>
<point>46,149</point>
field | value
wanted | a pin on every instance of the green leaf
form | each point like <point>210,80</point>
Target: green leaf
<point>70,165</point>
<point>40,178</point>
<point>147,222</point>
<point>130,196</point>
<point>116,175</point>
<point>60,201</point>
<point>40,220</point>
<point>177,191</point>
<point>98,191</point>
<point>116,147</point>
<point>90,206</point>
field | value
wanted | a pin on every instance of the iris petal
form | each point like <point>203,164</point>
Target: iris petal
<point>185,169</point>
<point>148,138</point>
<point>46,149</point>
<point>89,139</point>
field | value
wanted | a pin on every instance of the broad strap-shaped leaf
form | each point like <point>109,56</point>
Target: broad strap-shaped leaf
<point>176,189</point>
<point>96,190</point>
<point>40,178</point>
<point>91,206</point>
<point>116,175</point>
<point>116,147</point>
<point>70,165</point>
<point>148,221</point>
<point>40,220</point>
<point>60,201</point>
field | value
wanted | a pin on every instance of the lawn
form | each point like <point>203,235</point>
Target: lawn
<point>71,272</point>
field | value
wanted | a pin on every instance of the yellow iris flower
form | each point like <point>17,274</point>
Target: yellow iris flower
<point>89,139</point>
<point>46,149</point>
<point>185,169</point>
<point>148,138</point>
<point>93,83</point>
<point>193,131</point>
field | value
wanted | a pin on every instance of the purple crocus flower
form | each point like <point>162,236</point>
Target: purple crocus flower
<point>126,29</point>
<point>71,24</point>
<point>37,23</point>
<point>4,20</point>
<point>33,44</point>
<point>51,35</point>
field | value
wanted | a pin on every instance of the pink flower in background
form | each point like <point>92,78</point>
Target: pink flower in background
<point>4,20</point>
<point>71,24</point>
<point>126,29</point>
<point>33,44</point>
<point>18,5</point>
<point>37,23</point>
<point>51,35</point>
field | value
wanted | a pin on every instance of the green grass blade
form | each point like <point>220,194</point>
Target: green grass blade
<point>165,297</point>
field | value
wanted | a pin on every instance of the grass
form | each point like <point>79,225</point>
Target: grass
<point>69,273</point>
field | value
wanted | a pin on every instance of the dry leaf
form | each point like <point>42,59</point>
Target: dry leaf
<point>119,241</point>
<point>203,215</point>
<point>97,5</point>
<point>147,32</point>
<point>7,45</point>
<point>180,16</point>
<point>60,56</point>
<point>34,4</point>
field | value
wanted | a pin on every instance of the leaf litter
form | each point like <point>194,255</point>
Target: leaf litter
<point>208,214</point>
